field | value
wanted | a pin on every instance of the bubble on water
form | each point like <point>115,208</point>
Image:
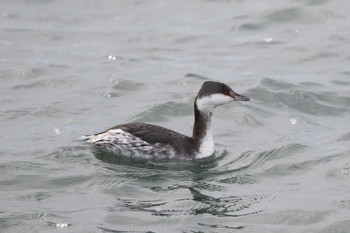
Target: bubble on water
<point>62,225</point>
<point>110,57</point>
<point>293,121</point>
<point>345,170</point>
<point>57,131</point>
<point>267,39</point>
<point>59,225</point>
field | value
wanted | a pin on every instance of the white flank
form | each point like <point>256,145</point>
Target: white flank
<point>111,135</point>
<point>208,103</point>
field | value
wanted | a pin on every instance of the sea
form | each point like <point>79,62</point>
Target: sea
<point>71,68</point>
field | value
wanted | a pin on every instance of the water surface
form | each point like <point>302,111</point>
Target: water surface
<point>72,68</point>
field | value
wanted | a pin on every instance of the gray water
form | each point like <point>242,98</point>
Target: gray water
<point>69,68</point>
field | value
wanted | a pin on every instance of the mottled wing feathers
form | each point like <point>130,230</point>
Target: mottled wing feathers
<point>152,133</point>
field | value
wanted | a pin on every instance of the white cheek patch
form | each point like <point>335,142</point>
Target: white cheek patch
<point>208,103</point>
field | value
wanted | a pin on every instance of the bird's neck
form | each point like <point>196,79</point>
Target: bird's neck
<point>202,133</point>
<point>202,124</point>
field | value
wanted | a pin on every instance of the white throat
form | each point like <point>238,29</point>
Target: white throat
<point>206,147</point>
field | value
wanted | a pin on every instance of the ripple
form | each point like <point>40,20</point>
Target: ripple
<point>337,227</point>
<point>162,112</point>
<point>42,83</point>
<point>317,103</point>
<point>17,113</point>
<point>277,85</point>
<point>127,85</point>
<point>103,180</point>
<point>23,73</point>
<point>124,204</point>
<point>251,159</point>
<point>314,2</point>
<point>345,137</point>
<point>222,227</point>
<point>252,26</point>
<point>286,170</point>
<point>122,87</point>
<point>279,153</point>
<point>298,15</point>
<point>22,222</point>
<point>292,217</point>
<point>197,76</point>
<point>66,154</point>
<point>200,203</point>
<point>285,15</point>
<point>35,196</point>
<point>117,231</point>
<point>341,83</point>
<point>68,181</point>
<point>233,206</point>
<point>318,56</point>
<point>341,172</point>
<point>239,179</point>
<point>209,187</point>
<point>307,99</point>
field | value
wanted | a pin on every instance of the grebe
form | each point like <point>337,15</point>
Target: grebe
<point>155,142</point>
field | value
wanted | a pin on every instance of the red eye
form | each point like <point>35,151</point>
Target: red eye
<point>227,92</point>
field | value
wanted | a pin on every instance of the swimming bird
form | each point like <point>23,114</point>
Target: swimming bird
<point>156,142</point>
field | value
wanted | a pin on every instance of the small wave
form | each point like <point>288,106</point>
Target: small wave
<point>231,206</point>
<point>303,98</point>
<point>161,112</point>
<point>68,153</point>
<point>239,179</point>
<point>197,76</point>
<point>252,159</point>
<point>22,222</point>
<point>338,226</point>
<point>297,15</point>
<point>345,137</point>
<point>107,230</point>
<point>128,86</point>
